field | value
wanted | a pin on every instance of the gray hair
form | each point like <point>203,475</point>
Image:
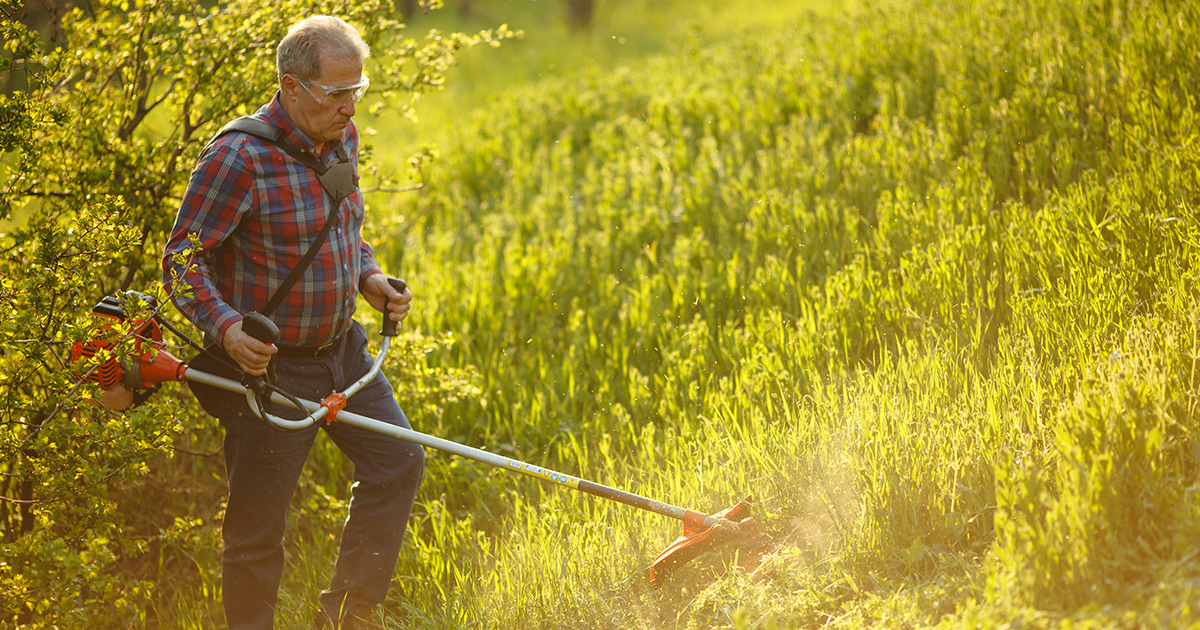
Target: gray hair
<point>299,53</point>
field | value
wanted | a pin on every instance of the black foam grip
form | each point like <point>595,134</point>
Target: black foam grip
<point>389,324</point>
<point>258,326</point>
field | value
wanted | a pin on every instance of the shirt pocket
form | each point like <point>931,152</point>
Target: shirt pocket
<point>292,208</point>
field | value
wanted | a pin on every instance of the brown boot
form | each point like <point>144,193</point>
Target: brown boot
<point>321,621</point>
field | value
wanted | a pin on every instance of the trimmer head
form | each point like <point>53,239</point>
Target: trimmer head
<point>697,540</point>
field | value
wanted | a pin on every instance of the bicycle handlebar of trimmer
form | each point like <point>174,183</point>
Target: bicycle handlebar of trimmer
<point>263,329</point>
<point>321,410</point>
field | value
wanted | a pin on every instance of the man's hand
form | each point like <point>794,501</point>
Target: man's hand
<point>251,354</point>
<point>385,299</point>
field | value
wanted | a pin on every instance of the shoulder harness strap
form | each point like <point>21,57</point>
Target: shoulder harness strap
<point>338,180</point>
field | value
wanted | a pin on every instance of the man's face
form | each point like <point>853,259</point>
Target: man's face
<point>324,121</point>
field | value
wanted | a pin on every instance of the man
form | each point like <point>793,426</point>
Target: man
<point>256,210</point>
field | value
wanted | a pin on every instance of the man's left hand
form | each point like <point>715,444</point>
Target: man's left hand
<point>385,299</point>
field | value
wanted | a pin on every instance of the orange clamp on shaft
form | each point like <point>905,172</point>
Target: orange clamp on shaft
<point>334,402</point>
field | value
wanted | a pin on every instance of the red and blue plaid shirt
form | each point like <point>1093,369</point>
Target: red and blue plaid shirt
<point>256,211</point>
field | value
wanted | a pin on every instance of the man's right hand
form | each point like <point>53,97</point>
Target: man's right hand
<point>251,354</point>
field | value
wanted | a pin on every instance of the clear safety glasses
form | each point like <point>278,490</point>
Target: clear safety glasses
<point>338,96</point>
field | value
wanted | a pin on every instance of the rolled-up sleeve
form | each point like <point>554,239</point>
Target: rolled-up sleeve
<point>367,266</point>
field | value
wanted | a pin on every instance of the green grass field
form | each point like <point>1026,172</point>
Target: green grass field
<point>622,32</point>
<point>921,277</point>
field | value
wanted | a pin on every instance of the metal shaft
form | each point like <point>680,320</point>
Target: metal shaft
<point>692,517</point>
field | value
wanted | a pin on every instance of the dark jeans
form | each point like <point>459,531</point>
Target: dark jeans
<point>264,464</point>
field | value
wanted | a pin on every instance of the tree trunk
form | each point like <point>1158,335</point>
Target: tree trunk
<point>579,13</point>
<point>408,9</point>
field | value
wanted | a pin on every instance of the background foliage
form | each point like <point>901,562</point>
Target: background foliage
<point>920,276</point>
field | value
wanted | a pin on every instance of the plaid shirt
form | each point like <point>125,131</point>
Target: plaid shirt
<point>256,211</point>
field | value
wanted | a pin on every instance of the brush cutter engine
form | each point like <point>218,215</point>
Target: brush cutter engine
<point>126,386</point>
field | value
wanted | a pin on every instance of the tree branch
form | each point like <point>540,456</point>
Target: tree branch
<point>392,190</point>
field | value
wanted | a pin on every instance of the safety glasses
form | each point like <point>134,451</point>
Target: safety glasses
<point>338,96</point>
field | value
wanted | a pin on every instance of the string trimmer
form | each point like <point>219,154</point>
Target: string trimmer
<point>153,365</point>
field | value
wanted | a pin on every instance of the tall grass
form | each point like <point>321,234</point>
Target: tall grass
<point>621,32</point>
<point>921,279</point>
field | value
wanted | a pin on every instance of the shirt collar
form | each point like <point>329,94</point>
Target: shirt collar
<point>273,113</point>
